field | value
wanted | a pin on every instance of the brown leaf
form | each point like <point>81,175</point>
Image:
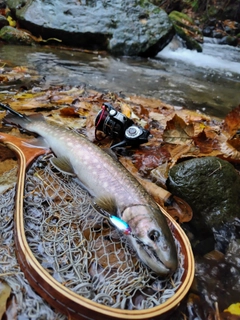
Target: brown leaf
<point>178,151</point>
<point>159,175</point>
<point>177,131</point>
<point>12,309</point>
<point>69,112</point>
<point>149,157</point>
<point>206,143</point>
<point>5,292</point>
<point>232,122</point>
<point>180,210</point>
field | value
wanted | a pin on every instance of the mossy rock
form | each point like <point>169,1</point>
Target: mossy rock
<point>189,41</point>
<point>180,17</point>
<point>15,36</point>
<point>211,186</point>
<point>185,28</point>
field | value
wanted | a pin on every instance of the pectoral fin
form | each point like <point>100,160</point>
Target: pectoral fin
<point>62,164</point>
<point>107,204</point>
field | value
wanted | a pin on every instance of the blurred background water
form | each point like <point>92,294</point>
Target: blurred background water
<point>207,81</point>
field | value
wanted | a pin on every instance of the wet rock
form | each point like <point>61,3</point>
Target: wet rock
<point>231,41</point>
<point>3,21</point>
<point>187,30</point>
<point>226,233</point>
<point>211,186</point>
<point>2,4</point>
<point>207,31</point>
<point>216,280</point>
<point>123,27</point>
<point>217,34</point>
<point>233,252</point>
<point>15,36</point>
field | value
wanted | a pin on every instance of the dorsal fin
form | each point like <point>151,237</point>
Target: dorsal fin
<point>111,153</point>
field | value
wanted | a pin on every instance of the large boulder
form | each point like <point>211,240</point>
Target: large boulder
<point>122,27</point>
<point>211,186</point>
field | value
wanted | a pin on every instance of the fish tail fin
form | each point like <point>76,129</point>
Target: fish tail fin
<point>17,118</point>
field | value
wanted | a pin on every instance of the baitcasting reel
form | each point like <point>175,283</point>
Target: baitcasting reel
<point>116,125</point>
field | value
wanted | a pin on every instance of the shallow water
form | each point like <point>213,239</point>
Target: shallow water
<point>208,81</point>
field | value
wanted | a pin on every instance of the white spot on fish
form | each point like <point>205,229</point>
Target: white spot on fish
<point>105,184</point>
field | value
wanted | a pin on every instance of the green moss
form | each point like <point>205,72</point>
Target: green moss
<point>143,3</point>
<point>190,42</point>
<point>15,36</point>
<point>156,10</point>
<point>176,16</point>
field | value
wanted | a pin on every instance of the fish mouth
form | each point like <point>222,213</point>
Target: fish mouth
<point>155,263</point>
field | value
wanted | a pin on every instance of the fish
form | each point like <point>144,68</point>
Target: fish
<point>113,188</point>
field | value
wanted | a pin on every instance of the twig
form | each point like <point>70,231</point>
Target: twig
<point>217,317</point>
<point>220,167</point>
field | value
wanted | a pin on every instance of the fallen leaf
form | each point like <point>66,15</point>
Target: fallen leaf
<point>11,22</point>
<point>206,142</point>
<point>232,122</point>
<point>5,292</point>
<point>69,112</point>
<point>178,132</point>
<point>126,110</point>
<point>179,210</point>
<point>12,309</point>
<point>234,309</point>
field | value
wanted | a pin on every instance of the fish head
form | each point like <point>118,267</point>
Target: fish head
<point>152,238</point>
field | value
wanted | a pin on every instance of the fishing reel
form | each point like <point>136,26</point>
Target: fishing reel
<point>119,127</point>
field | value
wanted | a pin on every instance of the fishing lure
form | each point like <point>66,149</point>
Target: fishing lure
<point>120,225</point>
<point>117,222</point>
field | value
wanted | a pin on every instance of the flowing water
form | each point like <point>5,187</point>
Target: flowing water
<point>207,81</point>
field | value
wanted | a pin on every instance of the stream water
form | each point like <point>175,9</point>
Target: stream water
<point>207,81</point>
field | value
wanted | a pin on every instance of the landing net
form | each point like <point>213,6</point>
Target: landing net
<point>81,250</point>
<point>77,246</point>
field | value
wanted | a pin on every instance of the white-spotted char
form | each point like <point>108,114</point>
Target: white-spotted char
<point>114,190</point>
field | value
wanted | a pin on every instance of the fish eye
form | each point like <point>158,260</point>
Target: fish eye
<point>154,235</point>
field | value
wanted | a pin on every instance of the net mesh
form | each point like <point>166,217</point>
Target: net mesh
<point>77,246</point>
<point>28,304</point>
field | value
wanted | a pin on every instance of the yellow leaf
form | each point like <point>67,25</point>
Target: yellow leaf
<point>5,292</point>
<point>234,309</point>
<point>11,22</point>
<point>126,110</point>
